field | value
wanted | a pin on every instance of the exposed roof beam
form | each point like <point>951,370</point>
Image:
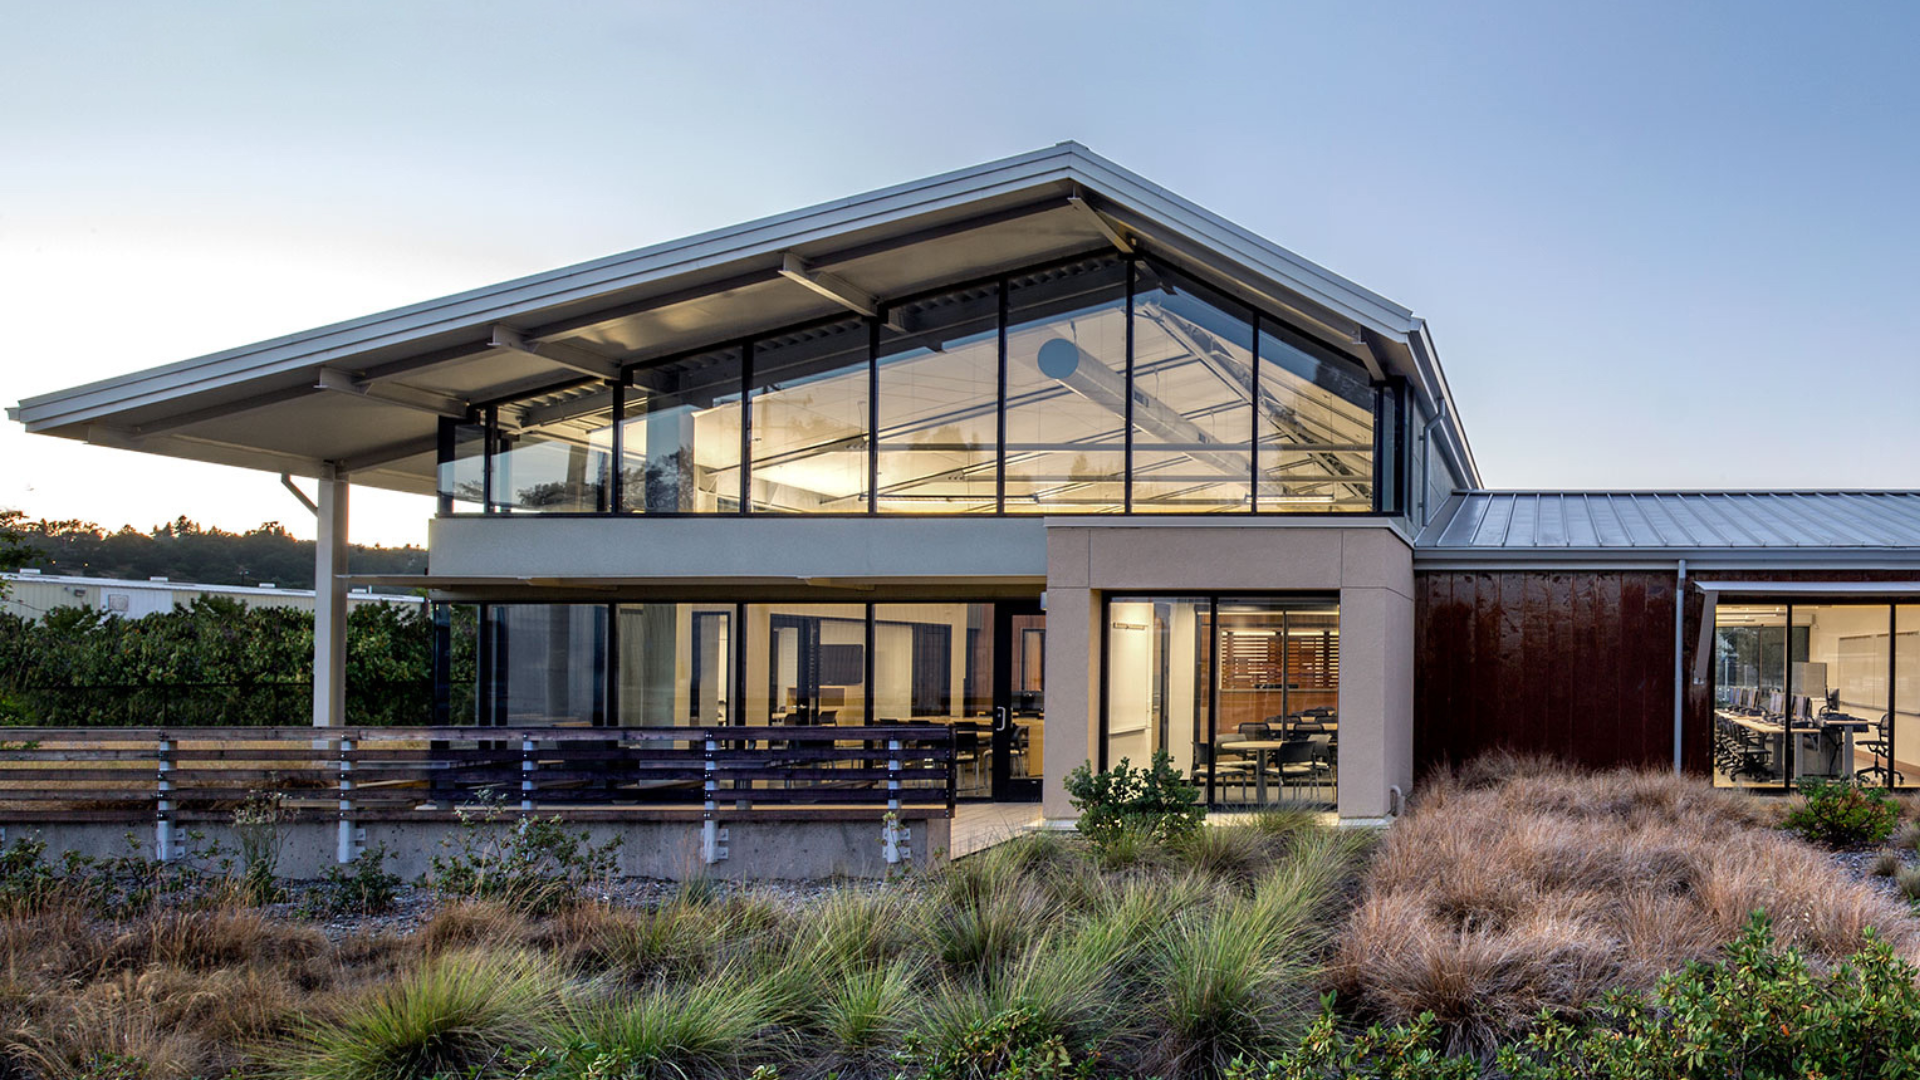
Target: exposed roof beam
<point>286,481</point>
<point>407,397</point>
<point>1099,221</point>
<point>220,412</point>
<point>568,355</point>
<point>537,415</point>
<point>383,455</point>
<point>832,286</point>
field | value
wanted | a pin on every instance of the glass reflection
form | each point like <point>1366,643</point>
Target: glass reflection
<point>680,441</point>
<point>1315,428</point>
<point>808,426</point>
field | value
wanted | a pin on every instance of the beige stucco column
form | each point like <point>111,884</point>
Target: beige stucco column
<point>1073,665</point>
<point>1376,699</point>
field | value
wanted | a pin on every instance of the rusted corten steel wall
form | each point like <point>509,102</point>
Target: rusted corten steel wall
<point>1576,664</point>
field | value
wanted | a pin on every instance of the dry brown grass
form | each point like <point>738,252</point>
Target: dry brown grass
<point>1517,884</point>
<point>184,993</point>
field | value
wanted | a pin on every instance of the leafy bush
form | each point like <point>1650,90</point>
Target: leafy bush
<point>1841,814</point>
<point>537,866</point>
<point>1156,801</point>
<point>1012,1045</point>
<point>361,887</point>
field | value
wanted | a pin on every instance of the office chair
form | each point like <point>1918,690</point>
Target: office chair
<point>1881,745</point>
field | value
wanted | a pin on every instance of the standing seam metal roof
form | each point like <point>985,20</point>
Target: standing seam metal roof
<point>1628,521</point>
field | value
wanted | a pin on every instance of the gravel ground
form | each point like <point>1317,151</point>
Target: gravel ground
<point>414,905</point>
<point>1858,864</point>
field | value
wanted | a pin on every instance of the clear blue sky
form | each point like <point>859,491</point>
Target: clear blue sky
<point>1659,244</point>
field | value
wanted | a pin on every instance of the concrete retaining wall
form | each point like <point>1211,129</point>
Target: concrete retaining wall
<point>756,851</point>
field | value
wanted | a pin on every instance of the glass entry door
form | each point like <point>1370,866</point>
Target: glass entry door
<point>1019,698</point>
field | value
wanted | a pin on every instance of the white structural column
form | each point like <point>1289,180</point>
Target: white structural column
<point>330,602</point>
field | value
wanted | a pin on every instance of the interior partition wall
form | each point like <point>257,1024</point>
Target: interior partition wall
<point>1099,385</point>
<point>1828,691</point>
<point>1240,692</point>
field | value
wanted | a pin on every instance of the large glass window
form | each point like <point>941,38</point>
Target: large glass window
<point>806,664</point>
<point>1905,691</point>
<point>808,422</point>
<point>1241,692</point>
<point>675,664</point>
<point>939,381</point>
<point>934,661</point>
<point>548,663</point>
<point>1067,390</point>
<point>463,466</point>
<point>560,457</point>
<point>1315,428</point>
<point>1192,397</point>
<point>1750,684</point>
<point>680,441</point>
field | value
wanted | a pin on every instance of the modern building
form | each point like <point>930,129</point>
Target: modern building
<point>1045,452</point>
<point>31,594</point>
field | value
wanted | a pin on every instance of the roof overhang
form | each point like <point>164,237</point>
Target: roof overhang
<point>366,396</point>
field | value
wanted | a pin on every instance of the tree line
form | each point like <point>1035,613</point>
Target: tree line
<point>184,550</point>
<point>218,662</point>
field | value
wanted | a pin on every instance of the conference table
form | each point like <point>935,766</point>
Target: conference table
<point>1263,747</point>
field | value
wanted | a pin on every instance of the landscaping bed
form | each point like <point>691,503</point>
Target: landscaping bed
<point>1524,921</point>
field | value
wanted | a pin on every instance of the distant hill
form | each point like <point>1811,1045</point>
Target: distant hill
<point>182,550</point>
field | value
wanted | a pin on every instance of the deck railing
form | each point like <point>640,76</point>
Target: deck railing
<point>164,776</point>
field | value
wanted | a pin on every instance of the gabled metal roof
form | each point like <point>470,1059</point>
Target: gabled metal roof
<point>1523,525</point>
<point>365,395</point>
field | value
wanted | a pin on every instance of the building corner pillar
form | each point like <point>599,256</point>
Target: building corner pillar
<point>1376,701</point>
<point>330,601</point>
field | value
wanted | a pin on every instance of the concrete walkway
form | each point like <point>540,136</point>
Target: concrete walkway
<point>978,826</point>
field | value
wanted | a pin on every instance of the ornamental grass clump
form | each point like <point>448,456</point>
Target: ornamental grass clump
<point>1517,887</point>
<point>458,1014</point>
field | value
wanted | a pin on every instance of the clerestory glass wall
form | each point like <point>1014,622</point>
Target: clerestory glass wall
<point>1097,386</point>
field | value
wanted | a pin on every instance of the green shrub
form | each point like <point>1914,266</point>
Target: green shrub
<point>537,866</point>
<point>361,887</point>
<point>1015,1044</point>
<point>1841,814</point>
<point>1407,1052</point>
<point>1156,801</point>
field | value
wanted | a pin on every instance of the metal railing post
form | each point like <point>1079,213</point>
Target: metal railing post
<point>527,766</point>
<point>344,849</point>
<point>892,832</point>
<point>710,850</point>
<point>163,807</point>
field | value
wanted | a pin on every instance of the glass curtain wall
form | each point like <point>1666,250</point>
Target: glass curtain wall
<point>1315,426</point>
<point>675,664</point>
<point>1905,691</point>
<point>1193,390</point>
<point>939,377</point>
<point>1241,692</point>
<point>934,662</point>
<point>1097,386</point>
<point>559,459</point>
<point>1816,690</point>
<point>680,436</point>
<point>547,663</point>
<point>807,420</point>
<point>1066,416</point>
<point>805,664</point>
